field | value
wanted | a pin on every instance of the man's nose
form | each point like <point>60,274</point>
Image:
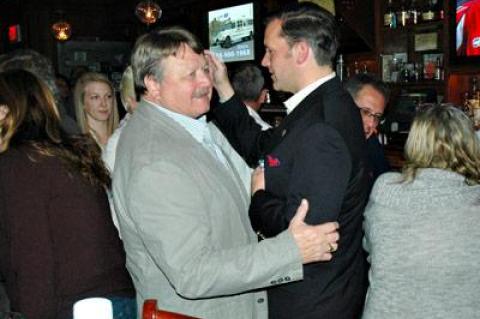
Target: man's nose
<point>265,61</point>
<point>371,122</point>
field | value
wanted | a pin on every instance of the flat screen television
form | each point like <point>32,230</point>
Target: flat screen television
<point>465,31</point>
<point>231,32</point>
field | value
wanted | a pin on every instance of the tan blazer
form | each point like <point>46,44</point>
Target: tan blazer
<point>183,218</point>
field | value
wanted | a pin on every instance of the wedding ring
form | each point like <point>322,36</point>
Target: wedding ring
<point>332,249</point>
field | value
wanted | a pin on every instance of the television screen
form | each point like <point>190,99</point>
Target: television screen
<point>467,28</point>
<point>231,32</point>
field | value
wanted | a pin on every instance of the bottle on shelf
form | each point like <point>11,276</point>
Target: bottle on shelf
<point>390,18</point>
<point>414,13</point>
<point>340,69</point>
<point>365,69</point>
<point>428,13</point>
<point>466,105</point>
<point>403,14</point>
<point>438,70</point>
<point>394,70</point>
<point>356,68</point>
<point>474,93</point>
<point>416,71</point>
<point>474,102</point>
<point>438,9</point>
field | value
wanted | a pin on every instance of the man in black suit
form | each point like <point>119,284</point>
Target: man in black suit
<point>317,152</point>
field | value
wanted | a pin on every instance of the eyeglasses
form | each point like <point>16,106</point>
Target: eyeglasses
<point>378,117</point>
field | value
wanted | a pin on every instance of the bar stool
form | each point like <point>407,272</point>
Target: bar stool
<point>150,311</point>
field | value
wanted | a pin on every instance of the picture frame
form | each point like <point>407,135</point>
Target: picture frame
<point>426,41</point>
<point>386,67</point>
<point>429,64</point>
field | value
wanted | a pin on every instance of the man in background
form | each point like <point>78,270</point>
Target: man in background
<point>371,96</point>
<point>249,85</point>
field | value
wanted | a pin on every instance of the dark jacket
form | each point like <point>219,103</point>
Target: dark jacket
<point>317,153</point>
<point>376,156</point>
<point>58,243</point>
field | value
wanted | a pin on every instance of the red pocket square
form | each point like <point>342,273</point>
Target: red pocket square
<point>272,161</point>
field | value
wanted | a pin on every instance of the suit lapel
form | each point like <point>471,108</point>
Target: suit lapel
<point>310,108</point>
<point>227,177</point>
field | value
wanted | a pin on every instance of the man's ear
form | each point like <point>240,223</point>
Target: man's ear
<point>263,96</point>
<point>151,84</point>
<point>301,51</point>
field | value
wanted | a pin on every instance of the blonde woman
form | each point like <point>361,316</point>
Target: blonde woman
<point>96,106</point>
<point>422,226</point>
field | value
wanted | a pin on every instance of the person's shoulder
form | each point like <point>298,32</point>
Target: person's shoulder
<point>19,154</point>
<point>386,182</point>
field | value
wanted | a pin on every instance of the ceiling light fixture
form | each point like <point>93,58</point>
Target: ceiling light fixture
<point>62,29</point>
<point>148,12</point>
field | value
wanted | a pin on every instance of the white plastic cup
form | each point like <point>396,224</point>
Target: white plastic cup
<point>93,308</point>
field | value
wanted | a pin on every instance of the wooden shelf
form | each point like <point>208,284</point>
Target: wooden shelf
<point>419,27</point>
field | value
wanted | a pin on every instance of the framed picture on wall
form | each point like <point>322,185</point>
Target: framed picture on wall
<point>426,41</point>
<point>430,63</point>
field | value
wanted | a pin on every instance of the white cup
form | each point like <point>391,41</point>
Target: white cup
<point>93,308</point>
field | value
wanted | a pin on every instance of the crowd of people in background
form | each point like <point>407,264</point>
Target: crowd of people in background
<point>229,217</point>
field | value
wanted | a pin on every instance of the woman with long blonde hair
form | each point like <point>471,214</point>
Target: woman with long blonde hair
<point>422,225</point>
<point>96,106</point>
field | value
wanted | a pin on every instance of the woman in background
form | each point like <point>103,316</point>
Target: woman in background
<point>422,226</point>
<point>58,244</point>
<point>96,106</point>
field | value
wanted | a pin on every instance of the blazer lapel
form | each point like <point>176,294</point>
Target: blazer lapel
<point>311,107</point>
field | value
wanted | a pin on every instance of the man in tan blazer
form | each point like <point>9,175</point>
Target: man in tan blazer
<point>182,193</point>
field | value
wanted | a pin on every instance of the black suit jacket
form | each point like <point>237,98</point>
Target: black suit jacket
<point>318,153</point>
<point>376,157</point>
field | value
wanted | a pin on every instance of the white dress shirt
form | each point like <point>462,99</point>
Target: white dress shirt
<point>298,97</point>
<point>254,114</point>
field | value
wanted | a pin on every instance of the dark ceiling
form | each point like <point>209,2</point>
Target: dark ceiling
<point>114,20</point>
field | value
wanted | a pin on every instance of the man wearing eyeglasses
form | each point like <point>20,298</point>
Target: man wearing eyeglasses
<point>371,95</point>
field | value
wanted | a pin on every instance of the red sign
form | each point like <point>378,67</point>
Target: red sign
<point>14,33</point>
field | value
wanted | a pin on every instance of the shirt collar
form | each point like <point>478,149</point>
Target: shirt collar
<point>198,128</point>
<point>298,97</point>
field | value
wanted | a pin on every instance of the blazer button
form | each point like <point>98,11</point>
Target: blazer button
<point>280,280</point>
<point>273,282</point>
<point>288,278</point>
<point>260,300</point>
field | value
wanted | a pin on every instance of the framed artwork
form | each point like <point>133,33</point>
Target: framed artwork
<point>426,41</point>
<point>429,64</point>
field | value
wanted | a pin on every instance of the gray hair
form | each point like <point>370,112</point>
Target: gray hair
<point>152,48</point>
<point>248,82</point>
<point>358,81</point>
